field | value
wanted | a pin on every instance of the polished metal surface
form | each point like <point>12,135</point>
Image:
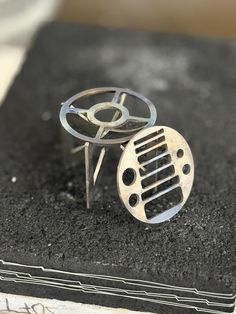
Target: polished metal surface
<point>160,165</point>
<point>121,118</point>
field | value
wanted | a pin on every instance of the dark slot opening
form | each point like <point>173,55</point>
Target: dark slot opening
<point>150,144</point>
<point>163,203</point>
<point>152,153</point>
<point>149,136</point>
<point>160,187</point>
<point>158,176</point>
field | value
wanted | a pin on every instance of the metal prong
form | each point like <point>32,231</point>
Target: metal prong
<point>77,149</point>
<point>88,153</point>
<point>99,164</point>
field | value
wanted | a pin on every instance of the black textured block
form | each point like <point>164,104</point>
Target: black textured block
<point>43,219</point>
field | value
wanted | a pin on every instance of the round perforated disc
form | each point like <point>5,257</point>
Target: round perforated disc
<point>155,174</point>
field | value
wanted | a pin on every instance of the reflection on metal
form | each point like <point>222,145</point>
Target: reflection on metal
<point>93,131</point>
<point>139,290</point>
<point>99,163</point>
<point>159,165</point>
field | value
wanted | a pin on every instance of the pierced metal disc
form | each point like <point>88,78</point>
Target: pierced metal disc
<point>120,122</point>
<point>155,174</point>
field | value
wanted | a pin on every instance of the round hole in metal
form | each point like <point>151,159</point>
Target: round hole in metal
<point>180,153</point>
<point>186,169</point>
<point>129,176</point>
<point>133,199</point>
<point>108,115</point>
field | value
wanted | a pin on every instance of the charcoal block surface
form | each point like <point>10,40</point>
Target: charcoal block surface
<point>43,219</point>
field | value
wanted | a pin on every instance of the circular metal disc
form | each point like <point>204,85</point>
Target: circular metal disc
<point>112,126</point>
<point>156,167</point>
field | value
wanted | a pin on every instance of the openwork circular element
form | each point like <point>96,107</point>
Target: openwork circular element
<point>163,166</point>
<point>107,132</point>
<point>106,106</point>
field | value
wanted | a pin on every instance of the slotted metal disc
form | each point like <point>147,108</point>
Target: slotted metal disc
<point>155,174</point>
